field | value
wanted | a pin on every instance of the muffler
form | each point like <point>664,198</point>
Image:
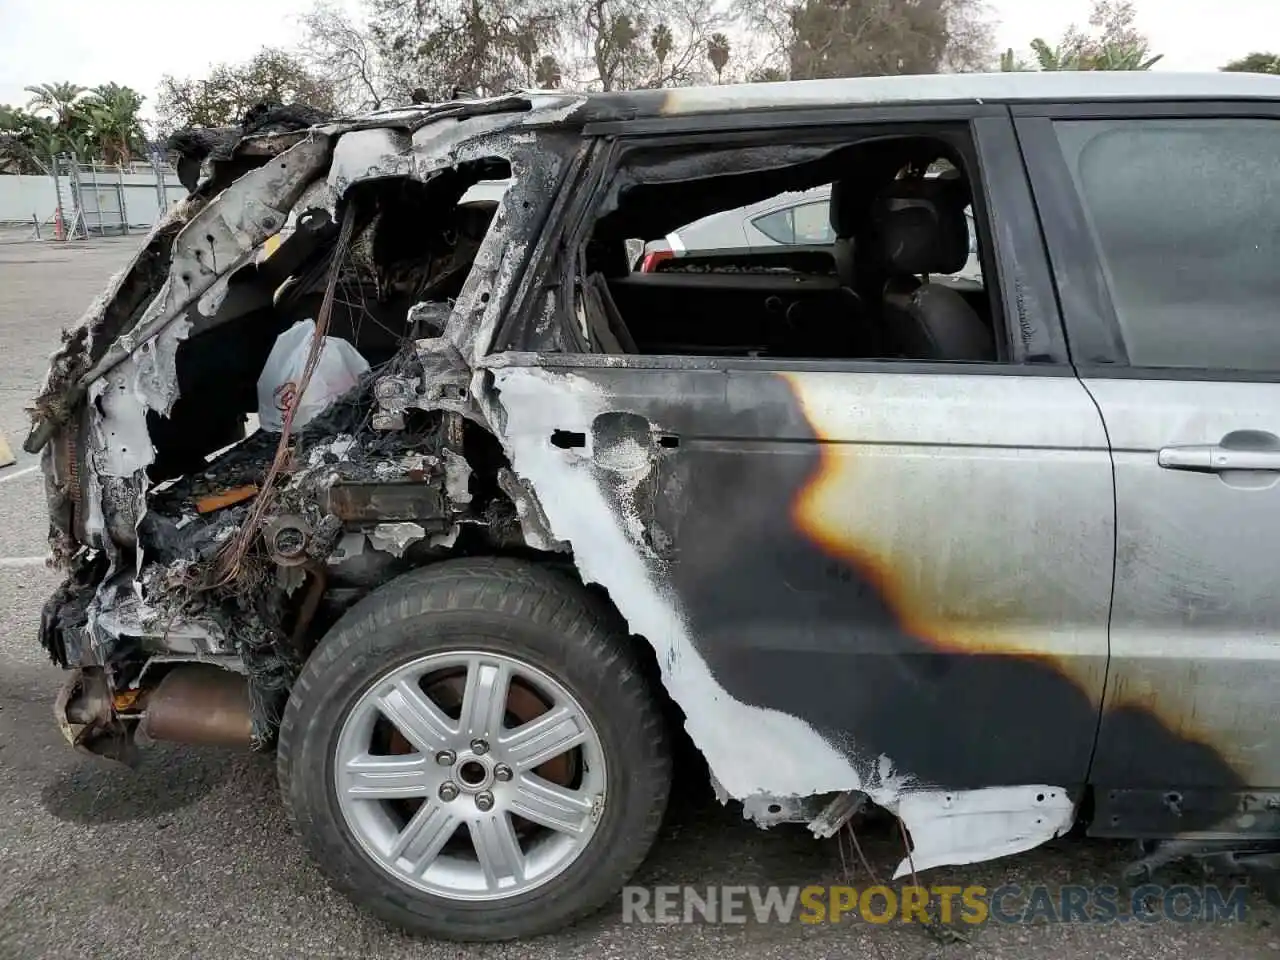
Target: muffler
<point>199,703</point>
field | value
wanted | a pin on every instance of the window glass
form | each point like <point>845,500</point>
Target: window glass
<point>813,223</point>
<point>777,226</point>
<point>1185,215</point>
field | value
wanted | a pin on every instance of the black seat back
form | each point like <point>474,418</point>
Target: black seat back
<point>919,228</point>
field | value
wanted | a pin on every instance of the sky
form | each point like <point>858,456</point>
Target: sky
<point>135,42</point>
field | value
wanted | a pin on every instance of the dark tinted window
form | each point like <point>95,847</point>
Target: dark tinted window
<point>1186,218</point>
<point>777,226</point>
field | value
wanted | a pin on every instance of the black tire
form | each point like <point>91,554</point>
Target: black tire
<point>509,607</point>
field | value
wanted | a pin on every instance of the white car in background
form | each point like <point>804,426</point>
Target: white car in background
<point>797,219</point>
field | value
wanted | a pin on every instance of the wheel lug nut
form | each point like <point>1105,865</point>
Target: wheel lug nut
<point>446,757</point>
<point>502,772</point>
<point>448,791</point>
<point>479,747</point>
<point>484,801</point>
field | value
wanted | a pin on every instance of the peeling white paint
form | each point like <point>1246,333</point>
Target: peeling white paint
<point>132,616</point>
<point>395,538</point>
<point>323,454</point>
<point>750,749</point>
<point>361,154</point>
<point>955,827</point>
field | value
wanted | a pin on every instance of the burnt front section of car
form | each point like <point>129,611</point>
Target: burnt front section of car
<point>203,561</point>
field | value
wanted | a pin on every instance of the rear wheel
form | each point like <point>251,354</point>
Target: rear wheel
<point>473,752</point>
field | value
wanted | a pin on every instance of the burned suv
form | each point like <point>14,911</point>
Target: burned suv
<point>985,555</point>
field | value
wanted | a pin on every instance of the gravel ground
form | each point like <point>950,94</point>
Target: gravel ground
<point>190,853</point>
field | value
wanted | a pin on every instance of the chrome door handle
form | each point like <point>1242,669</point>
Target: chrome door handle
<point>1211,458</point>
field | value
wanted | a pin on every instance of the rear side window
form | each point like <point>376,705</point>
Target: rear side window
<point>1185,215</point>
<point>813,223</point>
<point>805,223</point>
<point>777,226</point>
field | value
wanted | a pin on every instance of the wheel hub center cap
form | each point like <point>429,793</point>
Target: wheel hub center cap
<point>473,773</point>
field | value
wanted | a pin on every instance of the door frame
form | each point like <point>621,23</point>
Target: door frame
<point>1010,241</point>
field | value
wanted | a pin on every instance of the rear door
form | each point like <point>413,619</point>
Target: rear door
<point>911,559</point>
<point>1163,222</point>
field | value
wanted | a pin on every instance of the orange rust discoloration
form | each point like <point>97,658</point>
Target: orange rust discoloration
<point>226,498</point>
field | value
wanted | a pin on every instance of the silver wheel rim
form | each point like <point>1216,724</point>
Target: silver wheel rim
<point>463,814</point>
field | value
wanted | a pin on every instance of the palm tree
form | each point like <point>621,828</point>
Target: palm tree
<point>58,98</point>
<point>1084,55</point>
<point>718,54</point>
<point>113,117</point>
<point>661,41</point>
<point>1124,57</point>
<point>1054,58</point>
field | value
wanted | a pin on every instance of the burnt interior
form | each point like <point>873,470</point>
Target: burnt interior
<point>389,245</point>
<point>415,242</point>
<point>884,288</point>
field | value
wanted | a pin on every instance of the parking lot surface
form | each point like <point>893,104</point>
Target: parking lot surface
<point>190,854</point>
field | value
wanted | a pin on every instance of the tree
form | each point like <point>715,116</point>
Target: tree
<point>661,42</point>
<point>112,111</point>
<point>1113,43</point>
<point>1010,62</point>
<point>1255,63</point>
<point>221,98</point>
<point>625,44</point>
<point>1053,59</point>
<point>718,54</point>
<point>343,54</point>
<point>613,30</point>
<point>850,38</point>
<point>68,121</point>
<point>58,99</point>
<point>474,47</point>
<point>27,141</point>
<point>547,75</point>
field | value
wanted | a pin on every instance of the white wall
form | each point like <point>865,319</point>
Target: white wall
<point>22,195</point>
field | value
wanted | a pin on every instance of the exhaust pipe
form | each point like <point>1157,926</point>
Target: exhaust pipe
<point>200,703</point>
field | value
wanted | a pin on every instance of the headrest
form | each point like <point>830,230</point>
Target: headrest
<point>920,226</point>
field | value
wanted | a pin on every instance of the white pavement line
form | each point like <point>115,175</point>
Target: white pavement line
<point>6,477</point>
<point>21,562</point>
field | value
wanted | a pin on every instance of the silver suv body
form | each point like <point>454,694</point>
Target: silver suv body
<point>990,556</point>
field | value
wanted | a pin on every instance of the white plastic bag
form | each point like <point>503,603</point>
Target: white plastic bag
<point>338,369</point>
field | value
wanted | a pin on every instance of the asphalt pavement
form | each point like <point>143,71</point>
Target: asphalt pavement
<point>190,854</point>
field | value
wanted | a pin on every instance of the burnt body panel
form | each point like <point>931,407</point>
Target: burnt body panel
<point>761,488</point>
<point>916,566</point>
